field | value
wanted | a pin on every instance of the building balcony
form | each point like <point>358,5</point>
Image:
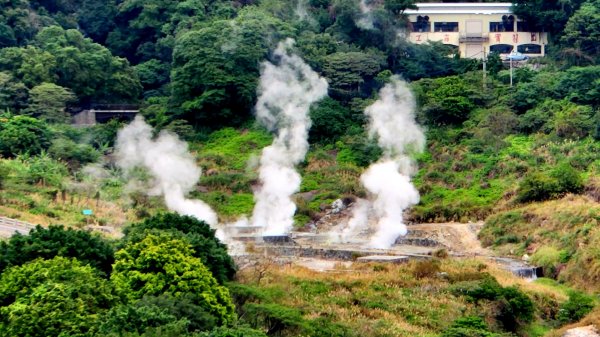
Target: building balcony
<point>474,38</point>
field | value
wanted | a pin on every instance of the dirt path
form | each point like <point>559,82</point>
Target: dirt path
<point>458,237</point>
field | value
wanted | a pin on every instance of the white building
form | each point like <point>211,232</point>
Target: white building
<point>476,29</point>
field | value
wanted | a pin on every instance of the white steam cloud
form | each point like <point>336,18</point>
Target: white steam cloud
<point>172,168</point>
<point>365,20</point>
<point>392,122</point>
<point>287,89</point>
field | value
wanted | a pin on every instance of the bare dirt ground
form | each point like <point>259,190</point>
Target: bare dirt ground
<point>460,238</point>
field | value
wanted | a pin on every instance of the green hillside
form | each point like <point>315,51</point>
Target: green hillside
<point>524,158</point>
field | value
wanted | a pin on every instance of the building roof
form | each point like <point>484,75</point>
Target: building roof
<point>461,8</point>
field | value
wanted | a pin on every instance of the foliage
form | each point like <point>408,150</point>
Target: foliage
<point>155,313</point>
<point>347,72</point>
<point>550,16</point>
<point>22,134</point>
<point>447,100</point>
<point>548,258</point>
<point>202,238</point>
<point>49,102</point>
<point>516,308</point>
<point>55,297</point>
<point>574,309</point>
<point>161,264</point>
<point>46,243</point>
<point>470,326</point>
<point>76,155</point>
<point>216,67</point>
<point>233,332</point>
<point>330,121</point>
<point>539,186</point>
<point>583,29</point>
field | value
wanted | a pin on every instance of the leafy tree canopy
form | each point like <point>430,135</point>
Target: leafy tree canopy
<point>46,298</point>
<point>22,134</point>
<point>163,264</point>
<point>206,246</point>
<point>216,67</point>
<point>54,241</point>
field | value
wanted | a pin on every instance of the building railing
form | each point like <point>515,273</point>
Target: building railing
<point>474,38</point>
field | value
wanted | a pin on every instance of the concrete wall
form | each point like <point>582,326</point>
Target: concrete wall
<point>85,117</point>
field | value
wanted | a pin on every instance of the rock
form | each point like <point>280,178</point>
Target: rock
<point>586,331</point>
<point>526,257</point>
<point>443,275</point>
<point>337,206</point>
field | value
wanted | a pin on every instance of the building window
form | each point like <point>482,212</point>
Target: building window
<point>523,26</point>
<point>501,48</point>
<point>422,25</point>
<point>530,49</point>
<point>506,26</point>
<point>445,26</point>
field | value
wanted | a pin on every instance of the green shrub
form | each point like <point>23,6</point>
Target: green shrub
<point>202,238</point>
<point>485,289</point>
<point>536,186</point>
<point>53,241</point>
<point>548,258</point>
<point>44,170</point>
<point>4,172</point>
<point>568,179</point>
<point>575,308</point>
<point>22,134</point>
<point>470,326</point>
<point>516,308</point>
<point>75,154</point>
<point>426,268</point>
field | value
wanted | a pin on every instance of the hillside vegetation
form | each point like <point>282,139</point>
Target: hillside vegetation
<point>523,158</point>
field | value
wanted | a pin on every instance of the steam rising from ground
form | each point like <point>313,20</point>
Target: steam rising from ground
<point>287,89</point>
<point>392,122</point>
<point>172,168</point>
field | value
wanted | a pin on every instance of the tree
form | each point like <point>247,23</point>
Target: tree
<point>216,67</point>
<point>54,241</point>
<point>156,312</point>
<point>88,68</point>
<point>162,264</point>
<point>546,15</point>
<point>582,31</point>
<point>13,93</point>
<point>74,154</point>
<point>447,100</point>
<point>47,298</point>
<point>49,102</point>
<point>348,71</point>
<point>7,36</point>
<point>30,65</point>
<point>22,134</point>
<point>330,120</point>
<point>399,6</point>
<point>206,246</point>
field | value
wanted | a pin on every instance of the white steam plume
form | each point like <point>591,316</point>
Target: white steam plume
<point>392,122</point>
<point>366,18</point>
<point>357,222</point>
<point>287,89</point>
<point>172,168</point>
